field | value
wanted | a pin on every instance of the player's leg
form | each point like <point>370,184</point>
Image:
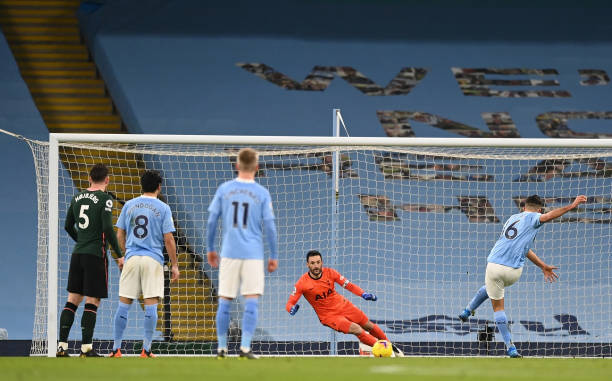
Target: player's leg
<point>374,330</point>
<point>252,287</point>
<point>497,278</point>
<point>152,281</point>
<point>356,330</point>
<point>378,333</point>
<point>229,278</point>
<point>129,289</point>
<point>75,296</point>
<point>95,283</point>
<point>480,296</point>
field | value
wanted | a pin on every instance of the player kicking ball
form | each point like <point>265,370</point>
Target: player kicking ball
<point>333,310</point>
<point>506,260</point>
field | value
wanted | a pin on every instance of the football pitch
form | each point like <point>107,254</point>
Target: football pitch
<point>325,368</point>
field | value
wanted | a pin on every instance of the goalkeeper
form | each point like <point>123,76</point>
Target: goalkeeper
<point>507,258</point>
<point>333,310</point>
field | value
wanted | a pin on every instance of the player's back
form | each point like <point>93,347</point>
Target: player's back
<point>87,208</point>
<point>145,220</point>
<point>515,240</point>
<point>321,293</point>
<point>243,205</point>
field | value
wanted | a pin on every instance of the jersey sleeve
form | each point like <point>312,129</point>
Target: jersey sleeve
<point>122,221</point>
<point>214,211</point>
<point>69,223</point>
<point>295,296</point>
<point>535,222</point>
<point>345,283</point>
<point>168,224</point>
<point>268,211</point>
<point>107,226</point>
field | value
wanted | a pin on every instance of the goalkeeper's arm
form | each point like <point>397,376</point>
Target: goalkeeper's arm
<point>291,305</point>
<point>341,280</point>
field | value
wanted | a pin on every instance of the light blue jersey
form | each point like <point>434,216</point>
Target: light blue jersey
<point>145,220</point>
<point>245,208</point>
<point>515,240</point>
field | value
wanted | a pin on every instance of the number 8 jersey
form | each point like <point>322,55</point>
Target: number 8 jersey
<point>515,240</point>
<point>145,220</point>
<point>244,206</point>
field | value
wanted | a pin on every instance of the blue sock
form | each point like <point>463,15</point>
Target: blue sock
<point>502,326</point>
<point>121,316</point>
<point>249,322</point>
<point>223,322</point>
<point>481,296</point>
<point>150,322</point>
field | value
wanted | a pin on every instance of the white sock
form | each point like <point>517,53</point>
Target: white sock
<point>62,345</point>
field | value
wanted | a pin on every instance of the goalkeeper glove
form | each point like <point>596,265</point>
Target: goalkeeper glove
<point>294,309</point>
<point>368,296</point>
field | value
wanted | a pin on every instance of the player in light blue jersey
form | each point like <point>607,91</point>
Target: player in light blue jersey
<point>244,207</point>
<point>145,226</point>
<point>506,260</point>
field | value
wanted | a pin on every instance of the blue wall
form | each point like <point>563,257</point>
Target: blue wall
<point>18,230</point>
<point>171,67</point>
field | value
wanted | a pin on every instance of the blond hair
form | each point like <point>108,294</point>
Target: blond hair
<point>247,160</point>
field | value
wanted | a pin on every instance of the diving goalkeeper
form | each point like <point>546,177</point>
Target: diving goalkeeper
<point>333,310</point>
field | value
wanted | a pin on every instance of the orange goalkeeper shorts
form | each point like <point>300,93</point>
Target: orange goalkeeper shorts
<point>341,321</point>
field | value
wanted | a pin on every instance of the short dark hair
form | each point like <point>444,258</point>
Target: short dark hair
<point>313,253</point>
<point>150,181</point>
<point>534,201</point>
<point>98,173</point>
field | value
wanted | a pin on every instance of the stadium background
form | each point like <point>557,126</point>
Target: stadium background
<point>171,67</point>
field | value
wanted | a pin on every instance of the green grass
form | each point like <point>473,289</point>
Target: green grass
<point>292,369</point>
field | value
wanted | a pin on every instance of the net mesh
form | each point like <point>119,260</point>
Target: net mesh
<point>413,225</point>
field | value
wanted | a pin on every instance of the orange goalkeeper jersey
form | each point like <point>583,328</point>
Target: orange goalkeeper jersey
<point>320,293</point>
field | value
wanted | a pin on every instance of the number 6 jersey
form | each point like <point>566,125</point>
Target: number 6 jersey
<point>145,220</point>
<point>515,240</point>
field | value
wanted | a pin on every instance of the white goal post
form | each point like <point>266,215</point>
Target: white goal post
<point>411,219</point>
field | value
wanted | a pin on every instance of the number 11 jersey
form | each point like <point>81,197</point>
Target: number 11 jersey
<point>145,220</point>
<point>243,206</point>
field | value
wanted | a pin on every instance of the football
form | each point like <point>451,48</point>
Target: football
<point>382,348</point>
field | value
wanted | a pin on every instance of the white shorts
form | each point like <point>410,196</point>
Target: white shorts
<point>246,273</point>
<point>141,275</point>
<point>499,277</point>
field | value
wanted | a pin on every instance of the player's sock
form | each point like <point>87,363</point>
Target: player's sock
<point>366,338</point>
<point>223,321</point>
<point>249,322</point>
<point>502,326</point>
<point>481,296</point>
<point>378,333</point>
<point>150,321</point>
<point>121,316</point>
<point>66,320</point>
<point>88,323</point>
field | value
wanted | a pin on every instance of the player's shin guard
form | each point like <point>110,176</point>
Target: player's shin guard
<point>481,296</point>
<point>502,325</point>
<point>66,320</point>
<point>378,333</point>
<point>88,323</point>
<point>223,321</point>
<point>150,321</point>
<point>120,322</point>
<point>249,322</point>
<point>366,338</point>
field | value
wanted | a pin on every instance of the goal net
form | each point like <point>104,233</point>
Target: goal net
<point>411,220</point>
